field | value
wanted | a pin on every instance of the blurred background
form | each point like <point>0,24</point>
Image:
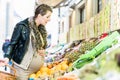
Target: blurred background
<point>71,19</point>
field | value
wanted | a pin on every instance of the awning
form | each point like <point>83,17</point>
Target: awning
<point>53,3</point>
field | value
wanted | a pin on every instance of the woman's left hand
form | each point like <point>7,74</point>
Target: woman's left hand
<point>4,61</point>
<point>41,53</point>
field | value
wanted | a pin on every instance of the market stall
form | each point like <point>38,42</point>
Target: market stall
<point>88,56</point>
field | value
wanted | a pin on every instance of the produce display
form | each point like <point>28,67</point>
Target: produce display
<point>81,48</point>
<point>83,56</point>
<point>51,70</point>
<point>97,50</point>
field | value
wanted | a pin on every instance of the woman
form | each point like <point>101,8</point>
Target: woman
<point>28,43</point>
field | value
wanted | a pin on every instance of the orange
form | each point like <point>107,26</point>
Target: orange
<point>44,69</point>
<point>33,76</point>
<point>70,64</point>
<point>50,71</point>
<point>58,67</point>
<point>50,66</point>
<point>64,67</point>
<point>38,74</point>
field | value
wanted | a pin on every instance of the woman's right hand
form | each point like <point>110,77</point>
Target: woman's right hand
<point>41,53</point>
<point>4,61</point>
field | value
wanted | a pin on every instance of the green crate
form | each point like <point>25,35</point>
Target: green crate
<point>107,42</point>
<point>102,46</point>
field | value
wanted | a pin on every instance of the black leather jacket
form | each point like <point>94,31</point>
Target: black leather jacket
<point>19,41</point>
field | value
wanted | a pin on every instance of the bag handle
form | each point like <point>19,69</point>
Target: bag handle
<point>14,70</point>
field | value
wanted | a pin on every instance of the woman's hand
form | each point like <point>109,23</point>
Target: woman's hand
<point>4,61</point>
<point>41,53</point>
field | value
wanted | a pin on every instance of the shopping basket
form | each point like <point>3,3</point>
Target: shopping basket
<point>8,76</point>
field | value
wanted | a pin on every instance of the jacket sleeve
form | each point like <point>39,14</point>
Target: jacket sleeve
<point>14,40</point>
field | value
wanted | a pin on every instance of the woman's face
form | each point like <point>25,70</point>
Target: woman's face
<point>45,18</point>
